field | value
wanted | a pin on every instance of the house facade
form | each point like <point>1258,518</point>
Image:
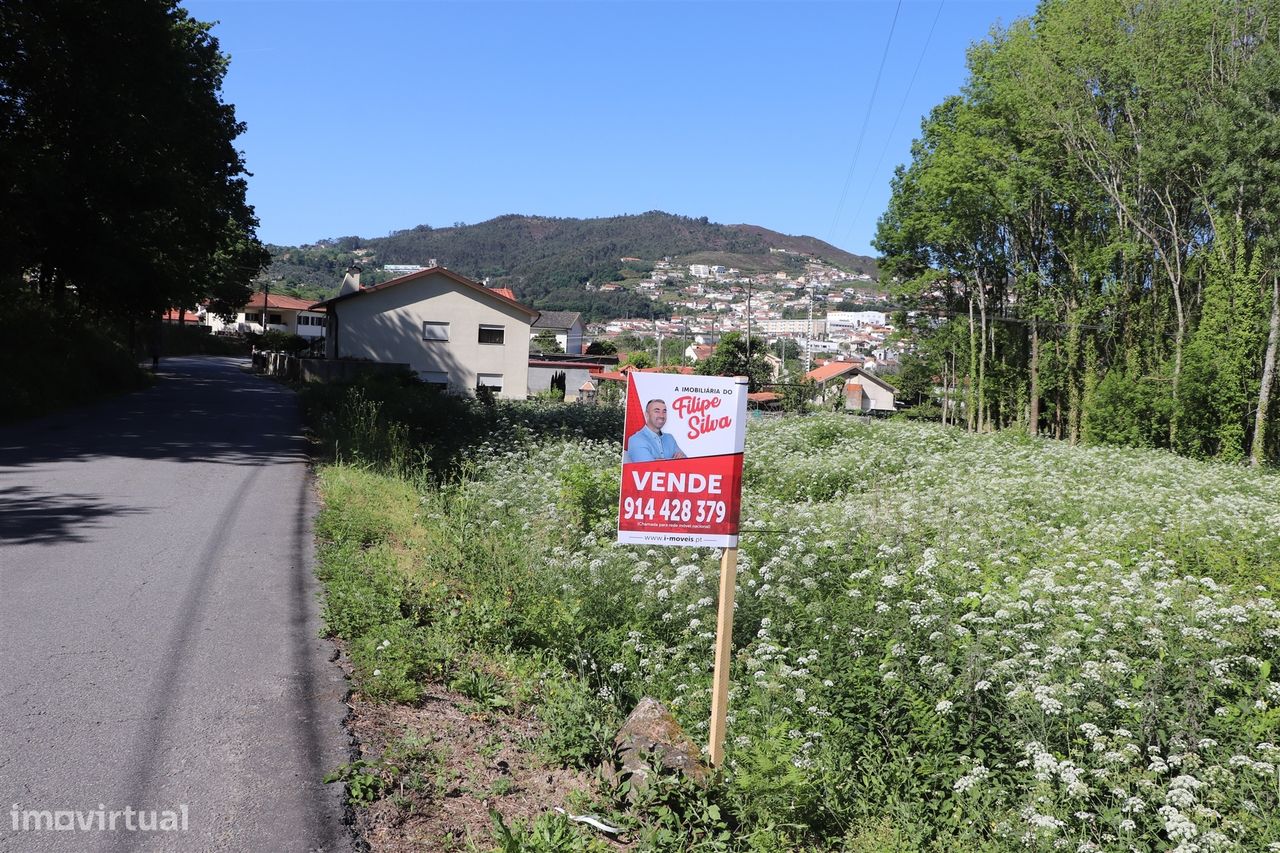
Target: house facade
<point>284,314</point>
<point>565,325</point>
<point>867,393</point>
<point>452,331</point>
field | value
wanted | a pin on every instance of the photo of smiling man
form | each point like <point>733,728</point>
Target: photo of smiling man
<point>650,443</point>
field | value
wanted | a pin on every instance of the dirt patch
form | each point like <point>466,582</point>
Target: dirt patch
<point>453,763</point>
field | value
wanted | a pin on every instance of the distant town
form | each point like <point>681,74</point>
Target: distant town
<point>705,301</point>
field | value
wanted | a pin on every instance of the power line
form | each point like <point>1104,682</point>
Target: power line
<point>865,121</point>
<point>901,106</point>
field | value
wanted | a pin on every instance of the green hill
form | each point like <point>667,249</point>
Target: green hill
<point>549,261</point>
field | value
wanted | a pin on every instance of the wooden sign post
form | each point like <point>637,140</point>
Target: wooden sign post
<point>724,648</point>
<point>683,442</point>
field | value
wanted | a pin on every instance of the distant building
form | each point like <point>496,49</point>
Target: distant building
<point>869,394</point>
<point>565,325</point>
<point>812,328</point>
<point>699,270</point>
<point>284,314</point>
<point>853,319</point>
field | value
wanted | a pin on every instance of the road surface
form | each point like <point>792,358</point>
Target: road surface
<point>159,631</point>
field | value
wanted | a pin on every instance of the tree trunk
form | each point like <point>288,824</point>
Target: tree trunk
<point>1073,376</point>
<point>44,282</point>
<point>1179,334</point>
<point>1033,418</point>
<point>1268,376</point>
<point>973,369</point>
<point>982,361</point>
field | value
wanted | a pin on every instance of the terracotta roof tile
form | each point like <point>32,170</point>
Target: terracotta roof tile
<point>278,301</point>
<point>831,370</point>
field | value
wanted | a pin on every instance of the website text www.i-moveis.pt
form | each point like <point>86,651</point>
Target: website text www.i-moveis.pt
<point>100,819</point>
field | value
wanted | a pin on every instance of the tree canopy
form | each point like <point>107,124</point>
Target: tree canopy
<point>732,357</point>
<point>1088,228</point>
<point>123,190</point>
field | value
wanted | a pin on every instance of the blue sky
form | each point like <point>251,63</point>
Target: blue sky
<point>368,117</point>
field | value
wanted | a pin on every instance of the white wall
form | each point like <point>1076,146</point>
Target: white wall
<point>387,325</point>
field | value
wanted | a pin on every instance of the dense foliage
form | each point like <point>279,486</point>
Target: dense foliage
<point>123,193</point>
<point>1094,221</point>
<point>943,641</point>
<point>61,357</point>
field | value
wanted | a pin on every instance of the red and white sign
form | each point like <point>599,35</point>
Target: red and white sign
<point>682,460</point>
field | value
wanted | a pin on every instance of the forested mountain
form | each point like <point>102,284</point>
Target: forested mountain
<point>549,261</point>
<point>1095,216</point>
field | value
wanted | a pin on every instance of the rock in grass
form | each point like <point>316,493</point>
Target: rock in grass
<point>651,734</point>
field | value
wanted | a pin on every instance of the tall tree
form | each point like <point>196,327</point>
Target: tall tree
<point>1099,206</point>
<point>732,358</point>
<point>121,179</point>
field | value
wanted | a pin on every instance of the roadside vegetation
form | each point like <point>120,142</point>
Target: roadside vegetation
<point>58,357</point>
<point>124,193</point>
<point>1084,237</point>
<point>942,641</point>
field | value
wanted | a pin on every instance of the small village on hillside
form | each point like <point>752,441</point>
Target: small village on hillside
<point>803,340</point>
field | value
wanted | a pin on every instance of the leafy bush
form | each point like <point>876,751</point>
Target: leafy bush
<point>58,357</point>
<point>275,340</point>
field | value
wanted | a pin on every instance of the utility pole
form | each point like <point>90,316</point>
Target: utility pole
<point>266,296</point>
<point>748,321</point>
<point>808,338</point>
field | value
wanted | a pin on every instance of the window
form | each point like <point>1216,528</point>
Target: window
<point>252,317</point>
<point>490,380</point>
<point>275,320</point>
<point>433,331</point>
<point>437,379</point>
<point>492,334</point>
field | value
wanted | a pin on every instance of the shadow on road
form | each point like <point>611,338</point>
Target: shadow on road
<point>30,517</point>
<point>200,410</point>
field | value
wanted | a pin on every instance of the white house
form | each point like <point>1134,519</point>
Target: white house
<point>854,319</point>
<point>284,314</point>
<point>565,325</point>
<point>866,392</point>
<point>450,330</point>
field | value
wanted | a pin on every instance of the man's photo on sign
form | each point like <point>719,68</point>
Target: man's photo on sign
<point>650,443</point>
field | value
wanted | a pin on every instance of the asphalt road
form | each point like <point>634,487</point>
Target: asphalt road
<point>159,625</point>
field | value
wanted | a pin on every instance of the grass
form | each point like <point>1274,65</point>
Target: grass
<point>945,641</point>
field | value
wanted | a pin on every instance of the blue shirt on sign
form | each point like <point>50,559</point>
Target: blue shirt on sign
<point>648,446</point>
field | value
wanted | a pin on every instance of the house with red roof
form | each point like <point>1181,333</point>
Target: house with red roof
<point>831,373</point>
<point>453,332</point>
<point>574,375</point>
<point>868,394</point>
<point>283,314</point>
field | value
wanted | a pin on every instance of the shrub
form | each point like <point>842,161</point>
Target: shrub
<point>58,357</point>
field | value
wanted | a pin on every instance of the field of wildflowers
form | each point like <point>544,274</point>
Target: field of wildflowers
<point>942,640</point>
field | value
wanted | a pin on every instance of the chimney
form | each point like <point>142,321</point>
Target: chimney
<point>432,263</point>
<point>350,281</point>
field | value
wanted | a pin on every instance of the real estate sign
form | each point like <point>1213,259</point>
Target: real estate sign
<point>682,460</point>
